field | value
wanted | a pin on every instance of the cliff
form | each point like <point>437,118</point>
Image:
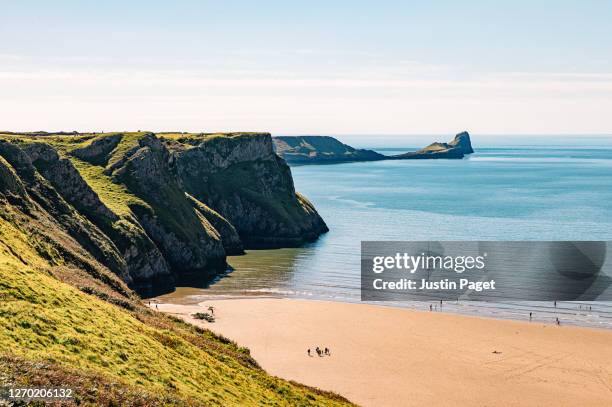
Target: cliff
<point>326,150</point>
<point>158,209</point>
<point>86,218</point>
<point>320,150</point>
<point>74,236</point>
<point>241,177</point>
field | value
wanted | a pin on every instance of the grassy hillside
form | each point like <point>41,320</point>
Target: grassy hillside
<point>68,320</point>
<point>141,356</point>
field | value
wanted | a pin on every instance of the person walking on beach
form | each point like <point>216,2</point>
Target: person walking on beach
<point>558,322</point>
<point>530,315</point>
<point>430,307</point>
<point>555,304</point>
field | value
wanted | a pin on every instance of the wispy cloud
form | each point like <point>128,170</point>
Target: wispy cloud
<point>577,82</point>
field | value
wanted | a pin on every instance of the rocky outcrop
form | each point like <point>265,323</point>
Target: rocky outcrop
<point>320,150</point>
<point>98,149</point>
<point>62,174</point>
<point>10,184</point>
<point>227,232</point>
<point>158,209</point>
<point>455,149</point>
<point>140,260</point>
<point>462,142</point>
<point>326,150</point>
<point>249,185</point>
<point>458,148</point>
<point>37,196</point>
<point>189,243</point>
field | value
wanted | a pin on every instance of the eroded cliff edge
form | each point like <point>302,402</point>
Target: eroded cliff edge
<point>160,208</point>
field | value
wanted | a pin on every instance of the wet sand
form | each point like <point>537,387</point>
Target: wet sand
<point>383,356</point>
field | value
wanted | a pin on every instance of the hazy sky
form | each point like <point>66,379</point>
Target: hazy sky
<point>289,67</point>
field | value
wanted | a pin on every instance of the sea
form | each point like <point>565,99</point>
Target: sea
<point>557,188</point>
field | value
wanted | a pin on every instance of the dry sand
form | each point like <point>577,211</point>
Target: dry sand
<point>384,356</point>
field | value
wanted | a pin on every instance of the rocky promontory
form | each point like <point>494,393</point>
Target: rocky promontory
<point>298,150</point>
<point>87,218</point>
<point>159,208</point>
<point>457,148</point>
<point>320,150</point>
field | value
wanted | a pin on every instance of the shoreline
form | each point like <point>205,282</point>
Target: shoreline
<point>387,356</point>
<point>569,313</point>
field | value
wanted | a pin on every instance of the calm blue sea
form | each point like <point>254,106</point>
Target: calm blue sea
<point>499,193</point>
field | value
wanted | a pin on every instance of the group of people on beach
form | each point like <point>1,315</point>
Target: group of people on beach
<point>434,307</point>
<point>557,320</point>
<point>320,352</point>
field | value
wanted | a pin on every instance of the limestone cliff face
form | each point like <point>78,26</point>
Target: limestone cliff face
<point>243,179</point>
<point>227,232</point>
<point>189,243</point>
<point>138,253</point>
<point>62,174</point>
<point>157,209</point>
<point>35,196</point>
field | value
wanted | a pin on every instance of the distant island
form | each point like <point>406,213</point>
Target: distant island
<point>325,149</point>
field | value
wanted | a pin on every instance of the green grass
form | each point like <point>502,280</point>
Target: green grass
<point>116,197</point>
<point>68,321</point>
<point>46,320</point>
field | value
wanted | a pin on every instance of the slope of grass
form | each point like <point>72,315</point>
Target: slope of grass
<point>54,323</point>
<point>68,321</point>
<point>115,196</point>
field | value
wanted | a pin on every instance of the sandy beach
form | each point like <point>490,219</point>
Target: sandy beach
<point>382,356</point>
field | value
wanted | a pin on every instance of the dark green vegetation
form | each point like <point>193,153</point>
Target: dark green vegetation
<point>324,150</point>
<point>85,217</point>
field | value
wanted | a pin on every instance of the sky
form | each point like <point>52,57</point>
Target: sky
<point>316,67</point>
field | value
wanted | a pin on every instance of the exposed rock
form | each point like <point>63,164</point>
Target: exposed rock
<point>148,269</point>
<point>249,185</point>
<point>325,150</point>
<point>227,232</point>
<point>320,150</point>
<point>49,201</point>
<point>156,210</point>
<point>455,149</point>
<point>99,149</point>
<point>10,184</point>
<point>462,141</point>
<point>18,159</point>
<point>66,179</point>
<point>189,245</point>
